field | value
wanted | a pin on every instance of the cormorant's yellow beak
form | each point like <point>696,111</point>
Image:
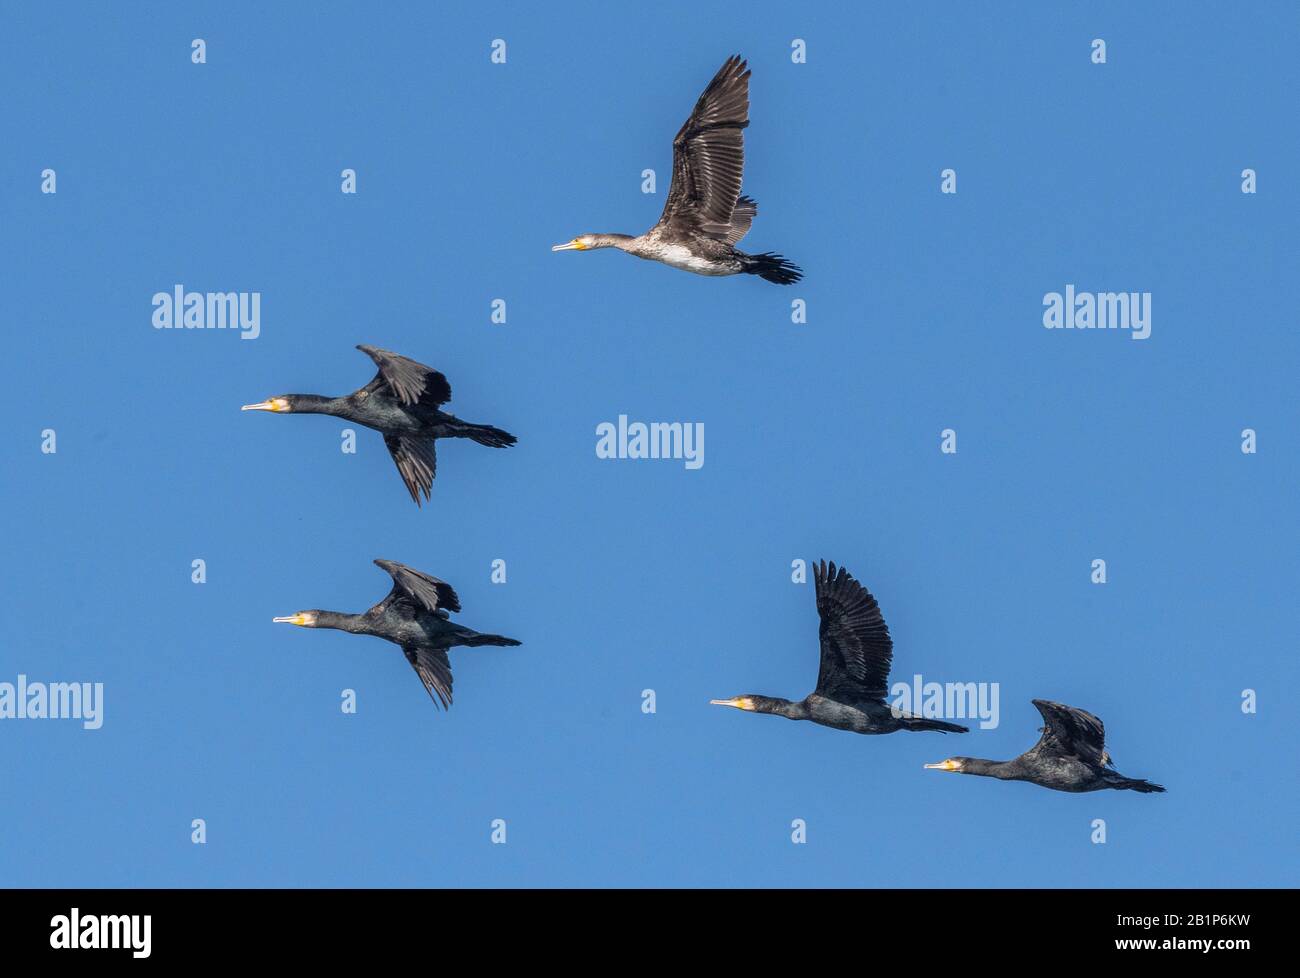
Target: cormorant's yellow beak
<point>277,404</point>
<point>948,765</point>
<point>301,618</point>
<point>574,245</point>
<point>740,703</point>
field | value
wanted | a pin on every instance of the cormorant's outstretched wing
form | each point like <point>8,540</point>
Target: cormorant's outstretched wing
<point>434,670</point>
<point>416,463</point>
<point>709,156</point>
<point>409,381</point>
<point>741,218</point>
<point>856,648</point>
<point>425,590</point>
<point>1070,732</point>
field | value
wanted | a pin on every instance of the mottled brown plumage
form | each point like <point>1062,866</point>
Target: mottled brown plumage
<point>704,215</point>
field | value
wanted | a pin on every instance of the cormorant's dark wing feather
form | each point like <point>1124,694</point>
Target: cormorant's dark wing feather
<point>1071,732</point>
<point>856,648</point>
<point>416,463</point>
<point>408,380</point>
<point>709,155</point>
<point>434,670</point>
<point>741,218</point>
<point>427,591</point>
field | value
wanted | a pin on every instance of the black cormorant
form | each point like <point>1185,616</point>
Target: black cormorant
<point>1070,756</point>
<point>401,403</point>
<point>414,616</point>
<point>854,677</point>
<point>705,215</point>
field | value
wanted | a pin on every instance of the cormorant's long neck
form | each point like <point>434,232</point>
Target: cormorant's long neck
<point>316,404</point>
<point>783,708</point>
<point>1002,770</point>
<point>619,241</point>
<point>356,624</point>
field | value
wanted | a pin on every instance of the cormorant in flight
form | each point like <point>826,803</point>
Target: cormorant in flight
<point>414,616</point>
<point>1071,755</point>
<point>402,403</point>
<point>854,677</point>
<point>705,215</point>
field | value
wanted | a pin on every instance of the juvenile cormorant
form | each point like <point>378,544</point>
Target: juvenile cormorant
<point>854,677</point>
<point>401,403</point>
<point>414,616</point>
<point>705,215</point>
<point>1070,756</point>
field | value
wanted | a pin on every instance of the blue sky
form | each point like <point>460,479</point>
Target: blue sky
<point>924,313</point>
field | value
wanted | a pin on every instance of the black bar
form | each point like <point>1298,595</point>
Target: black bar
<point>743,929</point>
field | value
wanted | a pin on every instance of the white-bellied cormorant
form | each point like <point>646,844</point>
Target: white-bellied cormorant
<point>402,403</point>
<point>414,616</point>
<point>854,677</point>
<point>705,215</point>
<point>1070,756</point>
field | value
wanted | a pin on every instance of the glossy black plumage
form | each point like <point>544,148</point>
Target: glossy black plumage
<point>415,616</point>
<point>856,654</point>
<point>403,402</point>
<point>1070,755</point>
<point>856,650</point>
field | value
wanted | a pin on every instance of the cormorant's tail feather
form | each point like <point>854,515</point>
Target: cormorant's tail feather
<point>473,640</point>
<point>772,268</point>
<point>924,723</point>
<point>1137,784</point>
<point>485,434</point>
